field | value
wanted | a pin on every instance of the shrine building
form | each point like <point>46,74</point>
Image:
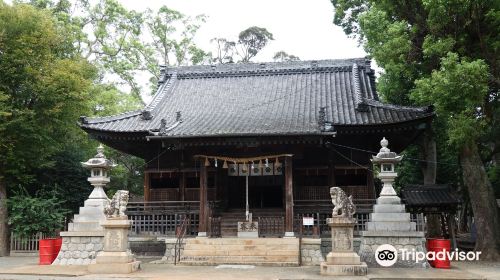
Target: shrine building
<point>260,141</point>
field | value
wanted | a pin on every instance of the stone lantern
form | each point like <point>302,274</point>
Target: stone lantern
<point>387,161</point>
<point>389,223</point>
<point>99,167</point>
<point>85,236</point>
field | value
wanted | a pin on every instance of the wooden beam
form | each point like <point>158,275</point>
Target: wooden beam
<point>147,187</point>
<point>182,186</point>
<point>288,197</point>
<point>202,229</point>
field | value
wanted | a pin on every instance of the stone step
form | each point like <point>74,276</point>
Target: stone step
<point>84,226</point>
<point>389,208</point>
<point>97,211</point>
<point>247,253</point>
<point>391,226</point>
<point>208,263</point>
<point>236,250</point>
<point>88,217</point>
<point>388,200</point>
<point>238,259</point>
<point>389,217</point>
<point>243,241</point>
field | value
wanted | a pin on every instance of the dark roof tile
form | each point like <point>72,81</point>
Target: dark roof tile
<point>264,99</point>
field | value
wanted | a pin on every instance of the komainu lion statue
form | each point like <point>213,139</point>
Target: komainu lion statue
<point>343,206</point>
<point>117,205</point>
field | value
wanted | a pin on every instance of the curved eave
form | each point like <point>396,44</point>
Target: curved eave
<point>145,135</point>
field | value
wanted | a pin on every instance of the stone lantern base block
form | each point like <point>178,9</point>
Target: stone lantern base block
<point>343,269</point>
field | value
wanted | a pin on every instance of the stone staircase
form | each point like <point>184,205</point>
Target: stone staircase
<point>250,251</point>
<point>230,218</point>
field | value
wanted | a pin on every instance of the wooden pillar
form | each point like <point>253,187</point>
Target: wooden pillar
<point>331,174</point>
<point>182,186</point>
<point>202,230</point>
<point>147,186</point>
<point>288,197</point>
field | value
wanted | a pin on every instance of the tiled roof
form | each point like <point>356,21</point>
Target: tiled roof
<point>261,99</point>
<point>429,195</point>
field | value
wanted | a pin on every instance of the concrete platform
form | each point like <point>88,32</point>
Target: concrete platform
<point>25,268</point>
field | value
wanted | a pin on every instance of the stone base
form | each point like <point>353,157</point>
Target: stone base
<point>79,248</point>
<point>310,251</point>
<point>342,258</point>
<point>248,234</point>
<point>114,268</point>
<point>409,240</point>
<point>344,269</point>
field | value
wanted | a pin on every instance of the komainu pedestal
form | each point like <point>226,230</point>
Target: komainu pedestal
<point>342,260</point>
<point>116,256</point>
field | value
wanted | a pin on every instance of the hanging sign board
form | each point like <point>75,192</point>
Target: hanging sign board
<point>308,221</point>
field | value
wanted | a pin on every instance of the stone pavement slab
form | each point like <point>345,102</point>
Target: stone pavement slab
<point>23,268</point>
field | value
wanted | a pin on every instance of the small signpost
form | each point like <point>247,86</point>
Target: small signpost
<point>308,221</point>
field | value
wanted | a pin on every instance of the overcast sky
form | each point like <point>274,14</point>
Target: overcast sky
<point>303,28</point>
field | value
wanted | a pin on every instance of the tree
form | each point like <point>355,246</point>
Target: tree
<point>225,50</point>
<point>43,89</point>
<point>443,53</point>
<point>251,41</point>
<point>282,56</point>
<point>172,41</point>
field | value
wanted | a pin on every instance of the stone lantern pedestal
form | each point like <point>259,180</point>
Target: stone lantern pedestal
<point>116,256</point>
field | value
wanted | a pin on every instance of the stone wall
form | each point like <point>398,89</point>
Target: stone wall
<point>147,247</point>
<point>310,250</point>
<point>169,245</point>
<point>79,250</point>
<point>407,240</point>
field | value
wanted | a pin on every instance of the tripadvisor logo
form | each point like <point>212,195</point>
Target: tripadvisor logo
<point>387,255</point>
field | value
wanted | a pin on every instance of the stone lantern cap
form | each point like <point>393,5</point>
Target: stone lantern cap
<point>99,160</point>
<point>385,155</point>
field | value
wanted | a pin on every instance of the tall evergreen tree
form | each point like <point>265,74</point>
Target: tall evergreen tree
<point>443,53</point>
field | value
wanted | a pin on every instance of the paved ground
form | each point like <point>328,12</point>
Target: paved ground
<point>26,268</point>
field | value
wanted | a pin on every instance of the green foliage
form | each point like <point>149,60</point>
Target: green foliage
<point>251,41</point>
<point>127,175</point>
<point>444,53</point>
<point>408,169</point>
<point>44,89</point>
<point>283,56</point>
<point>457,90</point>
<point>30,215</point>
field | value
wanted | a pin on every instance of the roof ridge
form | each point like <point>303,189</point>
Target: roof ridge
<point>160,93</point>
<point>377,103</point>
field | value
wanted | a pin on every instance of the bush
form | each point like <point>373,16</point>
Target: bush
<point>29,215</point>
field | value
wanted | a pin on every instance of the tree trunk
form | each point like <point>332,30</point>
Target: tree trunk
<point>483,203</point>
<point>4,227</point>
<point>428,154</point>
<point>429,170</point>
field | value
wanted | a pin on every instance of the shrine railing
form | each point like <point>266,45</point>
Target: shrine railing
<point>272,226</point>
<point>27,246</point>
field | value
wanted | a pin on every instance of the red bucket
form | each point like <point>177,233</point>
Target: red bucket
<point>46,250</point>
<point>439,245</point>
<point>57,247</point>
